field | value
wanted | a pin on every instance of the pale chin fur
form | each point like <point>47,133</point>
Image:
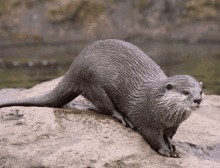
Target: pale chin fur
<point>203,96</point>
<point>170,104</point>
<point>194,106</point>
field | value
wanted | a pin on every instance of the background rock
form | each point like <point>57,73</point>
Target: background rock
<point>50,137</point>
<point>56,21</point>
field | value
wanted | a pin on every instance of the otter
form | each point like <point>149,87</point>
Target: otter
<point>122,81</point>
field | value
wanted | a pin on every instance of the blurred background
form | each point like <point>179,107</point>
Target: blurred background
<point>39,39</point>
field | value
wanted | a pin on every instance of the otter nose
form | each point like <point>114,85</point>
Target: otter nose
<point>198,101</point>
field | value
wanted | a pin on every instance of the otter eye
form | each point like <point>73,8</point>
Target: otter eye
<point>185,92</point>
<point>169,86</point>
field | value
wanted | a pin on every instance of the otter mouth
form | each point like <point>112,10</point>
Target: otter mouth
<point>194,107</point>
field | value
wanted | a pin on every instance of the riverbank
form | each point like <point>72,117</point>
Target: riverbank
<point>57,21</point>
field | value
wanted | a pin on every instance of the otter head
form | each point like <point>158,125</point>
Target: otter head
<point>182,95</point>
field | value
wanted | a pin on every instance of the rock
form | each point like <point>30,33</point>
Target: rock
<point>64,20</point>
<point>52,137</point>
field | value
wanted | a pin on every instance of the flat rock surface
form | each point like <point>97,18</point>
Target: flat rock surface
<point>51,137</point>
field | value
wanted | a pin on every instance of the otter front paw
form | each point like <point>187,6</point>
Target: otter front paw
<point>170,144</point>
<point>168,153</point>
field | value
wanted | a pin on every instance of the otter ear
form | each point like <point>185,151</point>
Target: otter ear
<point>200,83</point>
<point>169,86</point>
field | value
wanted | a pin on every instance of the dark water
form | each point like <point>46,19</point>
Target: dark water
<point>199,60</point>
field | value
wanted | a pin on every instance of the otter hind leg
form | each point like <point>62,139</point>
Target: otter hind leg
<point>101,100</point>
<point>122,119</point>
<point>119,117</point>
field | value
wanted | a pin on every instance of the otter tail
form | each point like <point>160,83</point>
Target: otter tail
<point>62,94</point>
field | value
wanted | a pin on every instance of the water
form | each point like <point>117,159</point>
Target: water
<point>199,60</point>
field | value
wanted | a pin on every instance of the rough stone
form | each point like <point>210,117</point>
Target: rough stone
<point>52,137</point>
